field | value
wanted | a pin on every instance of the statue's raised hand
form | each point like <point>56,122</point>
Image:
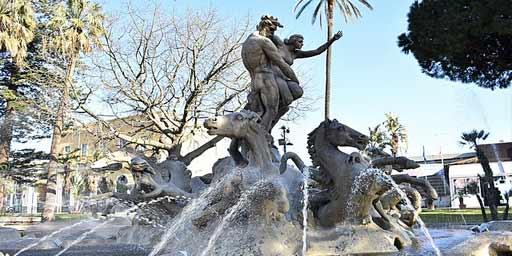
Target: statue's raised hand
<point>338,35</point>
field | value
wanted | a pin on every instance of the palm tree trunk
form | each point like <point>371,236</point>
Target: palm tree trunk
<point>492,196</point>
<point>482,208</point>
<point>507,208</point>
<point>330,25</point>
<point>53,165</point>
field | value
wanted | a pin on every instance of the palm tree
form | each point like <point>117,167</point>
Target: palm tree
<point>348,9</point>
<point>472,189</point>
<point>397,132</point>
<point>17,27</point>
<point>76,27</point>
<point>378,141</point>
<point>472,139</point>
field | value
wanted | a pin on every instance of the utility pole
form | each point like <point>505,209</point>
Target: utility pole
<point>284,141</point>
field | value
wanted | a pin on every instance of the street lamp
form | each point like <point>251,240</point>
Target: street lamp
<point>284,141</point>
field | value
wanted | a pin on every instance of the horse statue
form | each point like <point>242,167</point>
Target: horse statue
<point>244,127</point>
<point>259,169</point>
<point>347,188</point>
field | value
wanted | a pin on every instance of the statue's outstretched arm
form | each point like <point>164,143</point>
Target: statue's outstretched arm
<point>273,55</point>
<point>299,54</point>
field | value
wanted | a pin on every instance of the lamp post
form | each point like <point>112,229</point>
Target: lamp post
<point>284,141</point>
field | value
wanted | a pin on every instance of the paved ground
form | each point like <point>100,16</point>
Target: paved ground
<point>103,250</point>
<point>99,242</point>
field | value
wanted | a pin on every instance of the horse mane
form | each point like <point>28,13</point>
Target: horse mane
<point>311,143</point>
<point>255,124</point>
<point>319,131</point>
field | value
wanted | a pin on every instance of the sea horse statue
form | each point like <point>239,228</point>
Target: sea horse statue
<point>348,188</point>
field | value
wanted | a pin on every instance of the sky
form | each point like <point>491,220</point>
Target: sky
<point>371,77</point>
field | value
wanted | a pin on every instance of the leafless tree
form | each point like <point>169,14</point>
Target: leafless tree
<point>171,72</point>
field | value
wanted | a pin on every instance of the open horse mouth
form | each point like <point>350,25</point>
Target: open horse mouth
<point>361,144</point>
<point>214,126</point>
<point>211,125</point>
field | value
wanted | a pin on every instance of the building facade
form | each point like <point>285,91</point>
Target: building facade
<point>452,175</point>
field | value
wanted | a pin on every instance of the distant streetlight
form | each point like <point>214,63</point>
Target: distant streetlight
<point>284,141</point>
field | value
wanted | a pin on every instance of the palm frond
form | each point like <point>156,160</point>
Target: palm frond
<point>17,25</point>
<point>77,26</point>
<point>302,8</point>
<point>367,4</point>
<point>297,4</point>
<point>347,8</point>
<point>342,9</point>
<point>317,9</point>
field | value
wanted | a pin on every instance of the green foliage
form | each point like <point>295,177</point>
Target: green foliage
<point>78,183</point>
<point>76,26</point>
<point>25,86</point>
<point>452,216</point>
<point>393,137</point>
<point>397,133</point>
<point>466,41</point>
<point>472,188</point>
<point>379,140</point>
<point>23,164</point>
<point>472,138</point>
<point>461,193</point>
<point>17,25</point>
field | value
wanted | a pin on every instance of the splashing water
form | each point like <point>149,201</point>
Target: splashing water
<point>463,219</point>
<point>420,222</point>
<point>133,208</point>
<point>185,216</point>
<point>83,236</point>
<point>425,231</point>
<point>44,238</point>
<point>305,211</point>
<point>227,218</point>
<point>219,228</point>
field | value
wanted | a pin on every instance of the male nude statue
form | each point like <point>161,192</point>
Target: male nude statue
<point>259,54</point>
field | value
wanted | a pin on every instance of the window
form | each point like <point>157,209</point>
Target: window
<point>85,149</point>
<point>466,186</point>
<point>67,149</point>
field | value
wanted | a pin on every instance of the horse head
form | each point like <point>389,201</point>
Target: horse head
<point>234,125</point>
<point>341,135</point>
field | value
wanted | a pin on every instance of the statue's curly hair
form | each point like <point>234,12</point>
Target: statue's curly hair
<point>268,20</point>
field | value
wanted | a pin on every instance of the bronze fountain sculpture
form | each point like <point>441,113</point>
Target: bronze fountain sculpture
<point>255,200</point>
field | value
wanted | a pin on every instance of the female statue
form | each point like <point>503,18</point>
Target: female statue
<point>290,50</point>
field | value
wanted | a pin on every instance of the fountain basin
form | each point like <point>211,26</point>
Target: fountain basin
<point>354,240</point>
